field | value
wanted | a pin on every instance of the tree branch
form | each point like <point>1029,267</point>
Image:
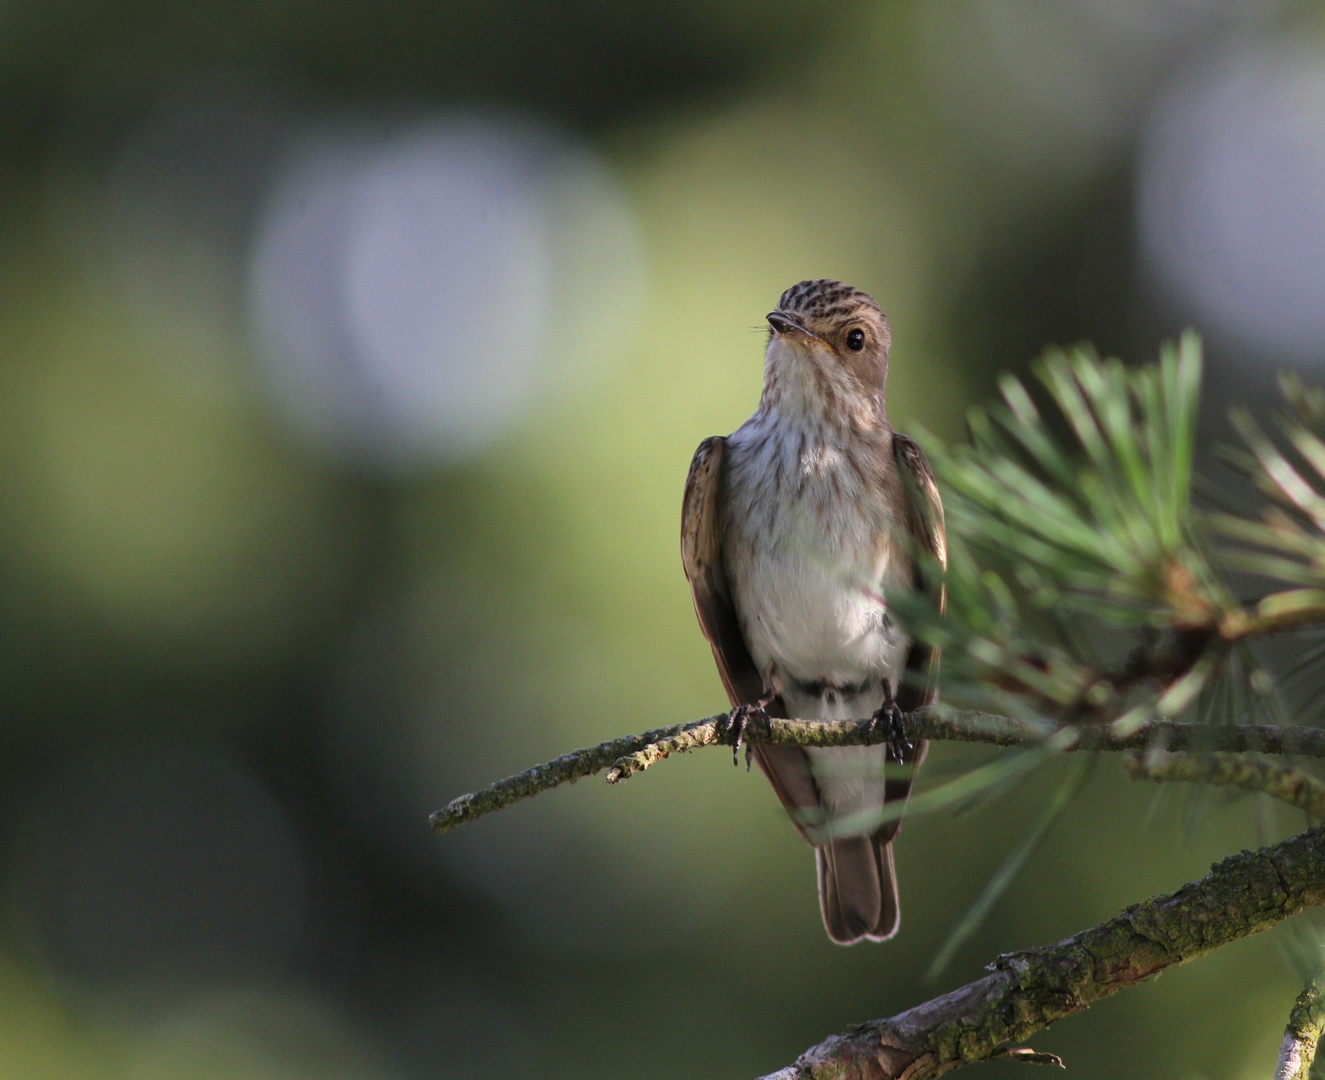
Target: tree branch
<point>1305,1024</point>
<point>1245,771</point>
<point>1029,990</point>
<point>1278,613</point>
<point>625,757</point>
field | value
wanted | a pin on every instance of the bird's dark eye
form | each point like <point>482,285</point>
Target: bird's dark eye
<point>856,340</point>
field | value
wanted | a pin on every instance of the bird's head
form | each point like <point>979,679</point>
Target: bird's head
<point>827,348</point>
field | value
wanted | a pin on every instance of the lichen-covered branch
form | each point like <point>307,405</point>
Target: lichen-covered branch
<point>623,758</point>
<point>1027,991</point>
<point>1305,1024</point>
<point>1246,771</point>
<point>567,769</point>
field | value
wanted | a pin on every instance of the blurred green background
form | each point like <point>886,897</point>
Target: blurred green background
<point>351,361</point>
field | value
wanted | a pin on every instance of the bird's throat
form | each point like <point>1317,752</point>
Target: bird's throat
<point>806,386</point>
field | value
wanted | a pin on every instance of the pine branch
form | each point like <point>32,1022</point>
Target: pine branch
<point>1245,771</point>
<point>627,756</point>
<point>1305,1024</point>
<point>1027,991</point>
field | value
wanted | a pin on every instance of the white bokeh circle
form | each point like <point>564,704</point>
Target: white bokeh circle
<point>411,295</point>
<point>1231,197</point>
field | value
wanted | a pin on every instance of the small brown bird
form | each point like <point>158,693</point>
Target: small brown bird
<point>793,530</point>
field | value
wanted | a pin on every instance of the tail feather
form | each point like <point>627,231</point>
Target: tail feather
<point>858,889</point>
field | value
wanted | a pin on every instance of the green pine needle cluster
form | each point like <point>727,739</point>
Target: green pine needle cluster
<point>1096,519</point>
<point>1287,544</point>
<point>1084,585</point>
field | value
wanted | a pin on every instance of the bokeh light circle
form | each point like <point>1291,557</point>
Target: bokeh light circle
<point>406,292</point>
<point>1231,197</point>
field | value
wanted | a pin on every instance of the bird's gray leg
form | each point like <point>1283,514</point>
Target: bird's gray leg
<point>737,720</point>
<point>887,719</point>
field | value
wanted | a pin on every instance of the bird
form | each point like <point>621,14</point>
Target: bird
<point>794,529</point>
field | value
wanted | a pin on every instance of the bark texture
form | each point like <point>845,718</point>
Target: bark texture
<point>1027,991</point>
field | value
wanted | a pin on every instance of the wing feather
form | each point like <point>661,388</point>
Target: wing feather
<point>787,767</point>
<point>701,556</point>
<point>924,525</point>
<point>925,528</point>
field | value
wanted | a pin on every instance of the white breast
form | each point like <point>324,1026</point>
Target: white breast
<point>810,556</point>
<point>811,552</point>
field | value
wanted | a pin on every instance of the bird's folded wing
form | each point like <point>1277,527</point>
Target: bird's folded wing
<point>701,556</point>
<point>787,767</point>
<point>924,526</point>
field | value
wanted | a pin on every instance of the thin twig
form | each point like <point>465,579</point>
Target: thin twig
<point>1246,771</point>
<point>1027,991</point>
<point>1305,1024</point>
<point>625,757</point>
<point>1278,613</point>
<point>566,769</point>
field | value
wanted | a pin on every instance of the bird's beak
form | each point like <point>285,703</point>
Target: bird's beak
<point>783,322</point>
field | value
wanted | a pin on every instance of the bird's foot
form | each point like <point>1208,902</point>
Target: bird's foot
<point>887,719</point>
<point>737,721</point>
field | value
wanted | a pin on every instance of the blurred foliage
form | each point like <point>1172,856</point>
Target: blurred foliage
<point>556,59</point>
<point>1290,531</point>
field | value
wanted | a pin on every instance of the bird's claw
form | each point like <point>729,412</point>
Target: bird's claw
<point>888,719</point>
<point>737,720</point>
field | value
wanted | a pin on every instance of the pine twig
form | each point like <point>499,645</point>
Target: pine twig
<point>622,758</point>
<point>1246,771</point>
<point>1305,1024</point>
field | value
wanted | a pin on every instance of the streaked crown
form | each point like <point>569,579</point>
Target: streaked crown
<point>825,300</point>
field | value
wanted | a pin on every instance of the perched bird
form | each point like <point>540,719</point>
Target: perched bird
<point>793,530</point>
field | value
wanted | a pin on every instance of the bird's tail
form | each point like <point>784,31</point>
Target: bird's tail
<point>857,888</point>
